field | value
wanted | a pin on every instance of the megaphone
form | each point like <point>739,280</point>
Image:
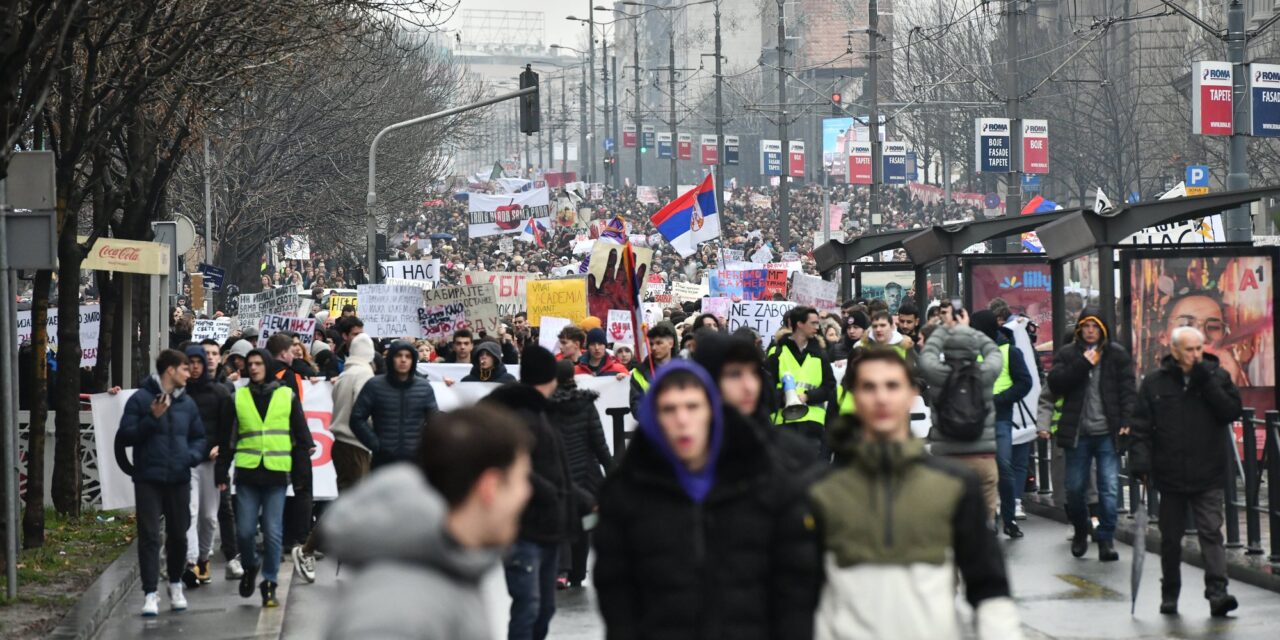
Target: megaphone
<point>794,408</point>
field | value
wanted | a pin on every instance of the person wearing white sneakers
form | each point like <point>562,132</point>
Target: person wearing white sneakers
<point>163,426</point>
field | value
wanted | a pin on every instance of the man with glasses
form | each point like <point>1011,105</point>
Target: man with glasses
<point>1201,309</point>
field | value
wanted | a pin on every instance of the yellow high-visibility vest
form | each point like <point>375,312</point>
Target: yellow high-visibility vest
<point>808,376</point>
<point>265,442</point>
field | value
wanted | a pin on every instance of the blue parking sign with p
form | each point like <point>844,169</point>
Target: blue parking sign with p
<point>1197,175</point>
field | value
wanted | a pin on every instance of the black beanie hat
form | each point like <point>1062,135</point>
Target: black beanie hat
<point>858,318</point>
<point>537,365</point>
<point>985,321</point>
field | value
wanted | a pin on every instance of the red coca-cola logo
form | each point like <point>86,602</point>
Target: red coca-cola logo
<point>128,254</point>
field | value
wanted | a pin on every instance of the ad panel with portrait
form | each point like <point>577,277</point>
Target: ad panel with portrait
<point>1228,294</point>
<point>893,285</point>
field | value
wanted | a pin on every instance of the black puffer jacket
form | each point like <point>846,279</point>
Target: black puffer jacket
<point>164,448</point>
<point>1069,379</point>
<point>573,412</point>
<point>217,414</point>
<point>743,565</point>
<point>498,374</point>
<point>1181,433</point>
<point>551,517</point>
<point>397,407</point>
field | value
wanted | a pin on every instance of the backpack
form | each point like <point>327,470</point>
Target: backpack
<point>961,409</point>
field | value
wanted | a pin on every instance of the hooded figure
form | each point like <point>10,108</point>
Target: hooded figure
<point>398,404</point>
<point>497,371</point>
<point>722,552</point>
<point>413,580</point>
<point>1116,388</point>
<point>214,401</point>
<point>357,373</point>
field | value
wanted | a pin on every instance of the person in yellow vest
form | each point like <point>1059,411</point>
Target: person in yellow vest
<point>800,355</point>
<point>271,431</point>
<point>1012,385</point>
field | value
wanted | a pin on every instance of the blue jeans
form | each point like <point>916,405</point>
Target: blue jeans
<point>1089,449</point>
<point>1011,461</point>
<point>531,571</point>
<point>260,504</point>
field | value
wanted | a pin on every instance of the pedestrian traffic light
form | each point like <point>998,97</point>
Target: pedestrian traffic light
<point>644,149</point>
<point>835,104</point>
<point>530,104</point>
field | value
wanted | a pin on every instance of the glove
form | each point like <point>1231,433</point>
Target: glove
<point>1199,374</point>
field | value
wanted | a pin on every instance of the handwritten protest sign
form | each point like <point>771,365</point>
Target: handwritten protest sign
<point>390,310</point>
<point>621,327</point>
<point>739,284</point>
<point>775,284</point>
<point>439,321</point>
<point>476,299</point>
<point>422,270</point>
<point>561,298</point>
<point>272,324</point>
<point>90,327</point>
<point>421,284</point>
<point>281,301</point>
<point>337,302</point>
<point>210,329</point>
<point>719,307</point>
<point>763,317</point>
<point>686,291</point>
<point>762,255</point>
<point>812,291</point>
<point>508,288</point>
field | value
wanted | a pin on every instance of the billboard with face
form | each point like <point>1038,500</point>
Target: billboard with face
<point>894,287</point>
<point>1226,294</point>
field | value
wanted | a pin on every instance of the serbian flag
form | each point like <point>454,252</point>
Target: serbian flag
<point>534,232</point>
<point>690,219</point>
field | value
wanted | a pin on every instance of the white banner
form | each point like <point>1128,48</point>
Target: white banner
<point>390,311</point>
<point>90,326</point>
<point>491,215</point>
<point>763,317</point>
<point>305,328</point>
<point>427,270</point>
<point>218,329</point>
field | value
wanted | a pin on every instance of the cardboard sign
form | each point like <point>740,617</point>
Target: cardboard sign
<point>763,317</point>
<point>420,284</point>
<point>775,283</point>
<point>718,307</point>
<point>422,270</point>
<point>686,291</point>
<point>440,321</point>
<point>561,298</point>
<point>390,310</point>
<point>477,300</point>
<point>812,291</point>
<point>647,195</point>
<point>271,324</point>
<point>549,335</point>
<point>508,288</point>
<point>739,284</point>
<point>621,327</point>
<point>90,326</point>
<point>281,301</point>
<point>206,329</point>
<point>763,255</point>
<point>336,303</point>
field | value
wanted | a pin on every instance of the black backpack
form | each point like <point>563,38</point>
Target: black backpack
<point>961,411</point>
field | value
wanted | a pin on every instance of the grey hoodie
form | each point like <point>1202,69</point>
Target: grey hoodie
<point>413,582</point>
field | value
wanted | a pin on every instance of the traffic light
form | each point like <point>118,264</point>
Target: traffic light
<point>644,149</point>
<point>835,105</point>
<point>530,105</point>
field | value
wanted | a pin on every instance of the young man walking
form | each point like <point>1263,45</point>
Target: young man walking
<point>397,404</point>
<point>163,426</point>
<point>798,355</point>
<point>897,524</point>
<point>218,418</point>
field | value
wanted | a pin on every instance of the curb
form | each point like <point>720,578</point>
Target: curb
<point>1240,567</point>
<point>96,603</point>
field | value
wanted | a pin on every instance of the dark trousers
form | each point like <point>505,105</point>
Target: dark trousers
<point>531,570</point>
<point>351,464</point>
<point>1205,509</point>
<point>297,508</point>
<point>227,525</point>
<point>173,503</point>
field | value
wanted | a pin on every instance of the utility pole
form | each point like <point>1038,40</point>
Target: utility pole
<point>1013,186</point>
<point>617,140</point>
<point>635,70</point>
<point>583,141</point>
<point>719,119</point>
<point>551,129</point>
<point>564,125</point>
<point>1236,220</point>
<point>608,133</point>
<point>591,54</point>
<point>208,220</point>
<point>671,94</point>
<point>784,197</point>
<point>873,126</point>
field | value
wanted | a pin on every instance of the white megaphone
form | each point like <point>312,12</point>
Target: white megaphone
<point>795,408</point>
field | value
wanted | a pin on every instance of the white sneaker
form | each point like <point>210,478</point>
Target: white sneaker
<point>1018,513</point>
<point>304,564</point>
<point>234,569</point>
<point>151,605</point>
<point>177,599</point>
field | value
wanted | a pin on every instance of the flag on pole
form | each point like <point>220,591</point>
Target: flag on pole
<point>534,232</point>
<point>690,219</point>
<point>496,173</point>
<point>1101,202</point>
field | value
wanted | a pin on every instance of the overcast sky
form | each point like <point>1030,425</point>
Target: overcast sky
<point>559,30</point>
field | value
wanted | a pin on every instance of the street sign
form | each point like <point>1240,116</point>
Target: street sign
<point>894,161</point>
<point>1030,183</point>
<point>608,144</point>
<point>1211,97</point>
<point>795,159</point>
<point>991,145</point>
<point>860,163</point>
<point>771,157</point>
<point>1264,100</point>
<point>991,200</point>
<point>1035,146</point>
<point>731,150</point>
<point>1197,176</point>
<point>213,276</point>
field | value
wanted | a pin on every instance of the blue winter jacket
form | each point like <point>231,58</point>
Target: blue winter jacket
<point>165,448</point>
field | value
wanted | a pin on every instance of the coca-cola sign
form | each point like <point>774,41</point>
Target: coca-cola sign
<point>128,254</point>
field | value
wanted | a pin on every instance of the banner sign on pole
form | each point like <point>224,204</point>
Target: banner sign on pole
<point>425,270</point>
<point>771,157</point>
<point>271,324</point>
<point>684,146</point>
<point>731,150</point>
<point>665,149</point>
<point>1211,97</point>
<point>860,163</point>
<point>894,161</point>
<point>795,158</point>
<point>1035,146</point>
<point>629,136</point>
<point>991,145</point>
<point>646,136</point>
<point>763,317</point>
<point>491,215</point>
<point>390,310</point>
<point>710,156</point>
<point>476,299</point>
<point>1263,82</point>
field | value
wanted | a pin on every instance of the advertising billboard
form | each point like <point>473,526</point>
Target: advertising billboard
<point>992,145</point>
<point>1264,100</point>
<point>795,159</point>
<point>629,136</point>
<point>1025,286</point>
<point>1211,98</point>
<point>894,287</point>
<point>860,163</point>
<point>647,136</point>
<point>666,147</point>
<point>1035,146</point>
<point>731,150</point>
<point>684,146</point>
<point>837,141</point>
<point>894,161</point>
<point>771,157</point>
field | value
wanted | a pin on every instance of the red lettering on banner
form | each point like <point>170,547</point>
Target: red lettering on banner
<point>322,436</point>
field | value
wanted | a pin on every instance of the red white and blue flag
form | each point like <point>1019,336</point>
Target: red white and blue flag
<point>534,232</point>
<point>690,219</point>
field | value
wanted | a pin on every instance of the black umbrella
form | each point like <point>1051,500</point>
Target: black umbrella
<point>1139,548</point>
